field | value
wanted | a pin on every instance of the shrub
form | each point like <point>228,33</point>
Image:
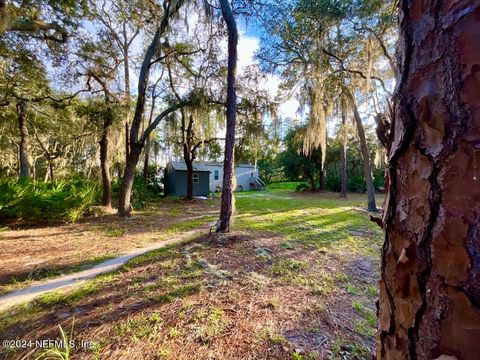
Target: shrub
<point>143,193</point>
<point>60,200</point>
<point>302,187</point>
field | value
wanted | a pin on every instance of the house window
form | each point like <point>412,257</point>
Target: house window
<point>195,178</point>
<point>216,175</point>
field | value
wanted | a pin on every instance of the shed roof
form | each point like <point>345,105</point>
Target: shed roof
<point>221,165</point>
<point>181,166</point>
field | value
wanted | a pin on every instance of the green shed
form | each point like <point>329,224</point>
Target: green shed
<point>176,179</point>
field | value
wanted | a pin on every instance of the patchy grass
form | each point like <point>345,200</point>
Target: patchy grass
<point>55,250</point>
<point>321,221</point>
<point>296,279</point>
<point>25,280</point>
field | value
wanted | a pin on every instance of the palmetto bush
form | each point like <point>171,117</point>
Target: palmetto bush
<point>61,200</point>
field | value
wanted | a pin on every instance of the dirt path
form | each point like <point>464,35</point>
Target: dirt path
<point>36,252</point>
<point>68,281</point>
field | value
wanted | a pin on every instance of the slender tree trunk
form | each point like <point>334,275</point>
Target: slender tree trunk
<point>146,161</point>
<point>127,141</point>
<point>312,182</point>
<point>189,163</point>
<point>50,167</point>
<point>104,164</point>
<point>124,207</point>
<point>24,162</point>
<point>343,158</point>
<point>430,277</point>
<point>106,181</point>
<point>128,102</point>
<point>226,209</point>
<point>188,156</point>
<point>136,140</point>
<point>367,170</point>
<point>321,180</point>
<point>147,144</point>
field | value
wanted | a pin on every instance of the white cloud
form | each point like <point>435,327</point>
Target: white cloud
<point>247,46</point>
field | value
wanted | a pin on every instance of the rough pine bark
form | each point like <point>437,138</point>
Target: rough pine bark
<point>367,169</point>
<point>24,162</point>
<point>343,159</point>
<point>429,302</point>
<point>226,208</point>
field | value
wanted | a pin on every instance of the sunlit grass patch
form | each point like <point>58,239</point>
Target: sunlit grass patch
<point>20,282</point>
<point>177,292</point>
<point>89,288</point>
<point>166,253</point>
<point>286,267</point>
<point>367,325</point>
<point>348,349</point>
<point>209,322</point>
<point>143,326</point>
<point>317,222</point>
<point>115,231</point>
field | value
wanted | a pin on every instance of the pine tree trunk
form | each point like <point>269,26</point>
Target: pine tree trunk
<point>24,163</point>
<point>367,170</point>
<point>227,205</point>
<point>343,159</point>
<point>430,278</point>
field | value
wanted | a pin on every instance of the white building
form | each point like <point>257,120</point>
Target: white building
<point>246,176</point>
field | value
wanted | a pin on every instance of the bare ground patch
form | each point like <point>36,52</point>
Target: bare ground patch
<point>239,296</point>
<point>31,252</point>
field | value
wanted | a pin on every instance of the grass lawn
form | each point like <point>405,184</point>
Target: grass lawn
<point>296,279</point>
<point>45,251</point>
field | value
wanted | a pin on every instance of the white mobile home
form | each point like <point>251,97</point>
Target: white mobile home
<point>245,174</point>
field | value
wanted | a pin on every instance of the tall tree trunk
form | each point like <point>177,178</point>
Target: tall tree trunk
<point>50,167</point>
<point>367,170</point>
<point>124,207</point>
<point>136,140</point>
<point>127,141</point>
<point>313,186</point>
<point>189,163</point>
<point>128,101</point>
<point>146,161</point>
<point>343,158</point>
<point>147,144</point>
<point>24,163</point>
<point>104,164</point>
<point>226,208</point>
<point>430,278</point>
<point>188,156</point>
<point>321,180</point>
